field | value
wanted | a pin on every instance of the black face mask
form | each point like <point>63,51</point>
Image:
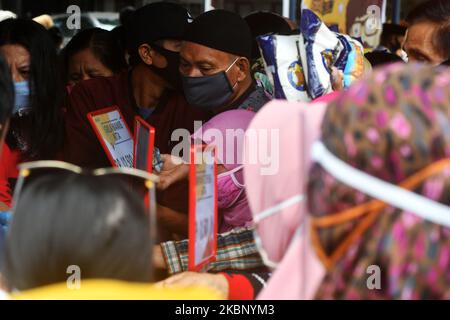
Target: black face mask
<point>208,92</point>
<point>171,72</point>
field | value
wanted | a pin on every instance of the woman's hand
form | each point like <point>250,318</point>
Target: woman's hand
<point>337,79</point>
<point>174,223</point>
<point>187,279</point>
<point>173,170</point>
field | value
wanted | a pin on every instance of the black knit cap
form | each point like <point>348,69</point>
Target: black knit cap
<point>157,21</point>
<point>221,30</point>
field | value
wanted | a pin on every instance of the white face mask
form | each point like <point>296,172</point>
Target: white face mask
<point>268,213</point>
<point>391,194</point>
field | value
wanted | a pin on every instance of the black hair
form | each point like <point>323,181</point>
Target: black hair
<point>103,44</point>
<point>126,15</point>
<point>379,58</point>
<point>120,36</point>
<point>438,12</point>
<point>65,219</point>
<point>57,36</point>
<point>390,34</point>
<point>43,131</point>
<point>264,22</point>
<point>6,94</point>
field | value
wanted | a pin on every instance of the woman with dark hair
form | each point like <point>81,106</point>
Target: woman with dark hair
<point>6,105</point>
<point>6,98</point>
<point>93,224</point>
<point>90,54</point>
<point>36,125</point>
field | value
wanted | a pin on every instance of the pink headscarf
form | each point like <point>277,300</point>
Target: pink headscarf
<point>228,120</point>
<point>328,97</point>
<point>238,215</point>
<point>299,271</point>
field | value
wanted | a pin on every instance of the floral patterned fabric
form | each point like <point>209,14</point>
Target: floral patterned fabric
<point>391,125</point>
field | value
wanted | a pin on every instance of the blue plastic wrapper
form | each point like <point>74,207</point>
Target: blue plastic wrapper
<point>5,218</point>
<point>324,49</point>
<point>354,67</point>
<point>267,45</point>
<point>310,27</point>
<point>284,67</point>
<point>157,163</point>
<point>300,66</point>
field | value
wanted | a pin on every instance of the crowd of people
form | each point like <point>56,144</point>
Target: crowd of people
<point>363,177</point>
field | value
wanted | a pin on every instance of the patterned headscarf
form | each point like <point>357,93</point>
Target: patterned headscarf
<point>391,125</point>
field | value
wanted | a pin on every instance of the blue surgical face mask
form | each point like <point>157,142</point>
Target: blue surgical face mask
<point>22,97</point>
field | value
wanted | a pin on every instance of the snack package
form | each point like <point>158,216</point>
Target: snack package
<point>352,61</point>
<point>299,66</point>
<point>284,66</point>
<point>320,49</point>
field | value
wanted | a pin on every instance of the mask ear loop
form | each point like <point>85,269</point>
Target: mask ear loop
<point>400,196</point>
<point>236,182</point>
<point>368,211</point>
<point>269,213</point>
<point>228,69</point>
<point>230,172</point>
<point>231,65</point>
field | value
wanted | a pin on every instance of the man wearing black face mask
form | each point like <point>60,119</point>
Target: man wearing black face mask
<point>215,68</point>
<point>215,64</point>
<point>151,88</point>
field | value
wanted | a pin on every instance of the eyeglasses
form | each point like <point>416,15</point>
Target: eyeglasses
<point>136,180</point>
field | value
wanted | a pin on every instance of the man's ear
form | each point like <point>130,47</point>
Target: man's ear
<point>244,69</point>
<point>146,53</point>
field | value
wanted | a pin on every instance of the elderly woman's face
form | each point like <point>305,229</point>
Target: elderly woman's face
<point>84,65</point>
<point>18,59</point>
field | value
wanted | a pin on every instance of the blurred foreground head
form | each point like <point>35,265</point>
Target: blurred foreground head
<point>393,125</point>
<point>62,220</point>
<point>92,53</point>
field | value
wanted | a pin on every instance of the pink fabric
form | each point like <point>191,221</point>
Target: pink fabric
<point>236,122</point>
<point>237,216</point>
<point>328,97</point>
<point>299,272</point>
